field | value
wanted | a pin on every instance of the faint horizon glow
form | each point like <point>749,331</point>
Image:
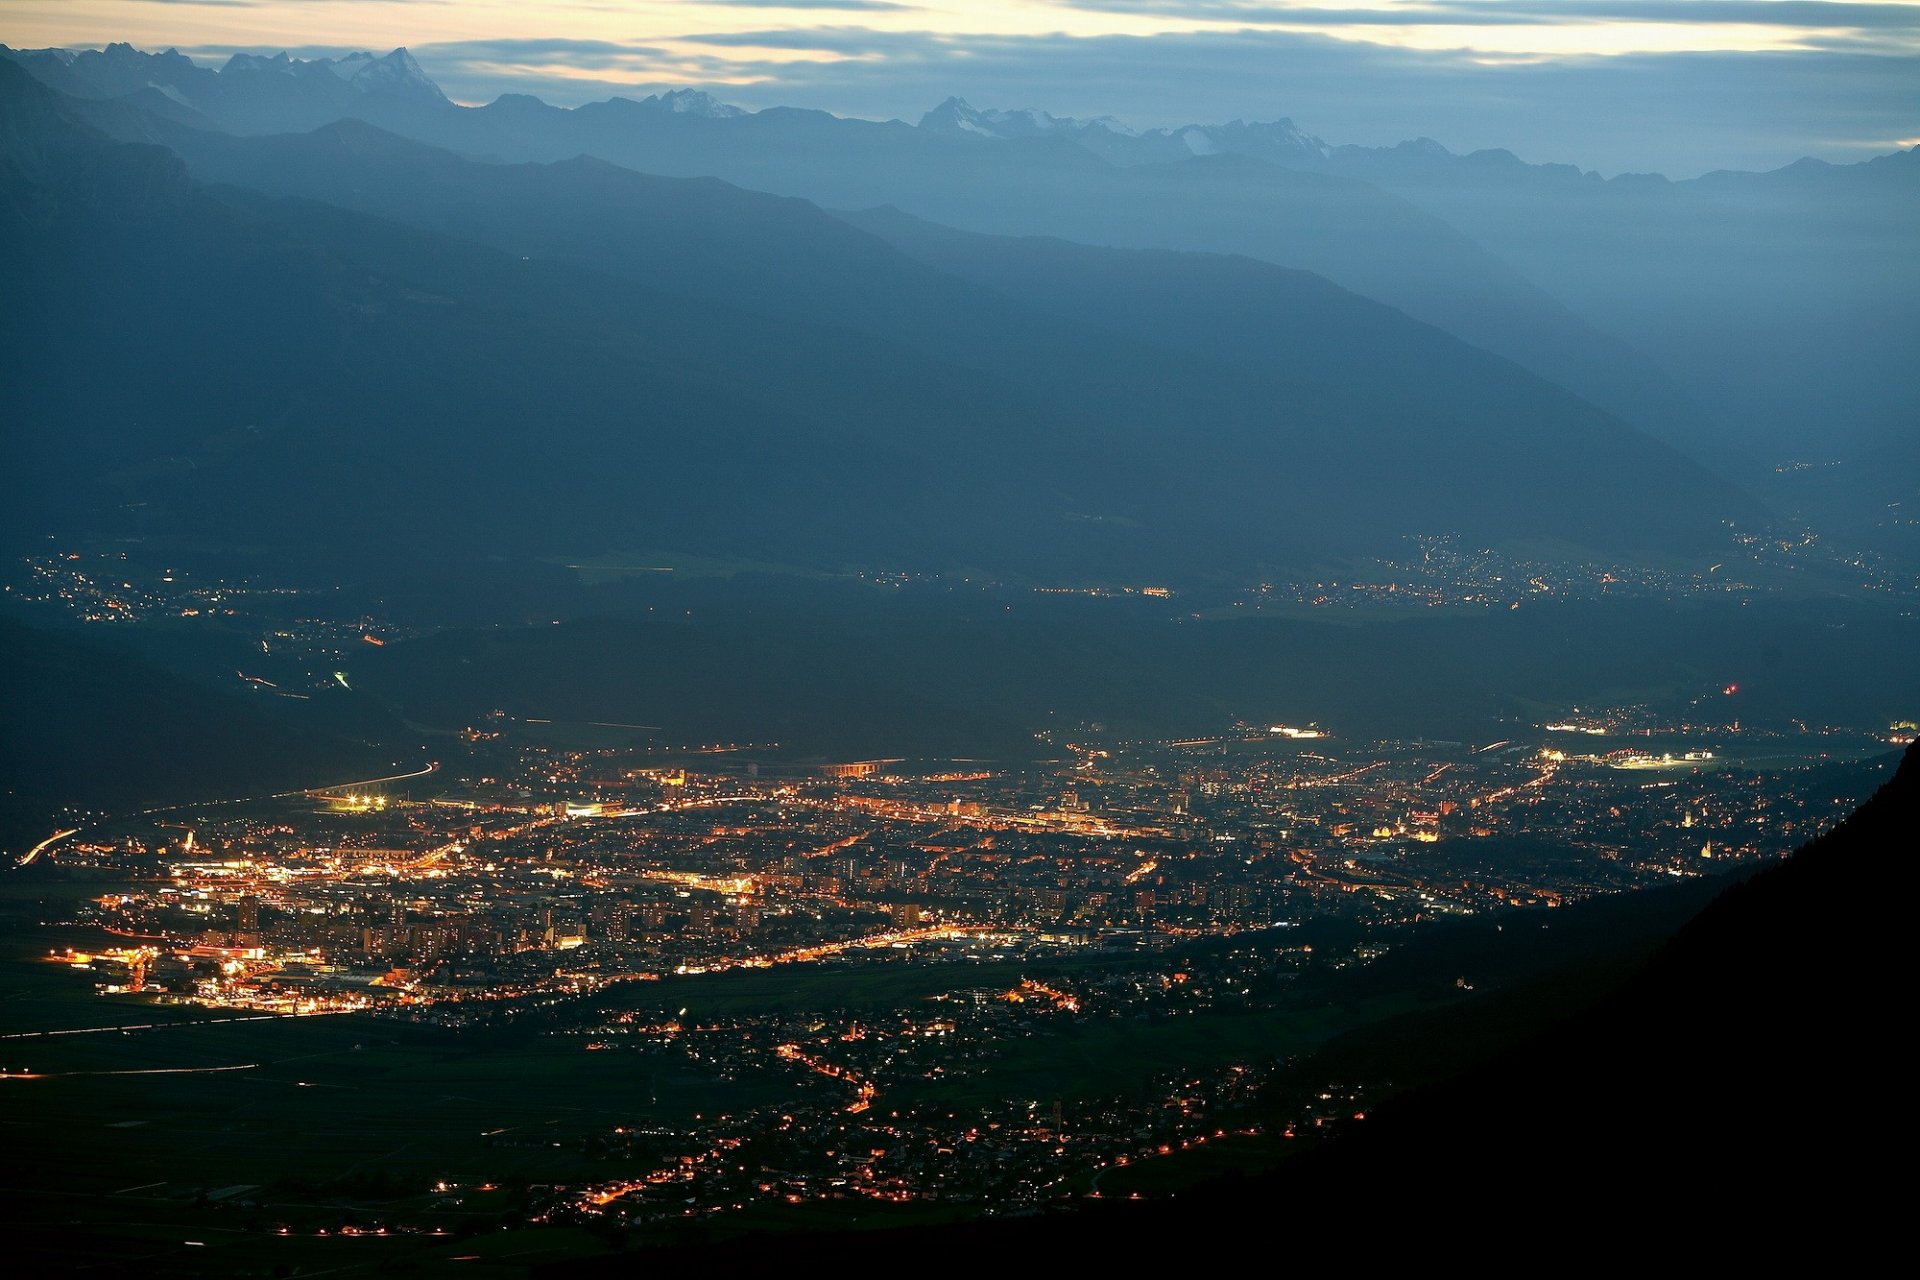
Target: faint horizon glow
<point>221,26</point>
<point>1150,63</point>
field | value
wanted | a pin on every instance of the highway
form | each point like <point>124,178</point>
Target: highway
<point>124,1028</point>
<point>822,950</point>
<point>431,766</point>
<point>46,844</point>
<point>31,855</point>
<point>133,1071</point>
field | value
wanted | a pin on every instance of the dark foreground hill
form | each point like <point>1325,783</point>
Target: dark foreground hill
<point>1737,1096</point>
<point>1742,1086</point>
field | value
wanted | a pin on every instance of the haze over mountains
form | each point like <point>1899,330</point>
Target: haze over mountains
<point>1355,234</point>
<point>1705,311</point>
<point>570,357</point>
<point>1779,299</point>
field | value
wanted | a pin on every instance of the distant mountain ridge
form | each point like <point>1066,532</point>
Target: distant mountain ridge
<point>118,70</point>
<point>1357,234</point>
<point>1748,319</point>
<point>1284,142</point>
<point>1711,311</point>
<point>1782,299</point>
<point>574,357</point>
<point>1752,286</point>
<point>1719,312</point>
<point>274,92</point>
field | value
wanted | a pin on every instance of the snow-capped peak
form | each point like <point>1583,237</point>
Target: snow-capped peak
<point>955,115</point>
<point>696,102</point>
<point>348,67</point>
<point>364,72</point>
<point>243,63</point>
<point>1278,139</point>
<point>395,71</point>
<point>958,116</point>
<point>1197,139</point>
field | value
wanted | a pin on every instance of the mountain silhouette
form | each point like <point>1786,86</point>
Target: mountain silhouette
<point>1045,182</point>
<point>625,361</point>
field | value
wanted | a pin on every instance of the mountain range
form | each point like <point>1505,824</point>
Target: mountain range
<point>1717,312</point>
<point>1356,234</point>
<point>551,358</point>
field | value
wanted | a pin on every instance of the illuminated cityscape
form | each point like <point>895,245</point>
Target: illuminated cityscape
<point>790,637</point>
<point>884,962</point>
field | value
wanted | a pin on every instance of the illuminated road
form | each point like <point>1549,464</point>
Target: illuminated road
<point>1546,776</point>
<point>166,1026</point>
<point>1348,776</point>
<point>34,853</point>
<point>137,1071</point>
<point>46,844</point>
<point>1074,824</point>
<point>863,1090</point>
<point>432,765</point>
<point>821,950</point>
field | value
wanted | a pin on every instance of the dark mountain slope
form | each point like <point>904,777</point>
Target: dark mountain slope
<point>280,372</point>
<point>1753,1060</point>
<point>1236,310</point>
<point>260,370</point>
<point>264,371</point>
<point>88,725</point>
<point>1783,301</point>
<point>699,237</point>
<point>1378,244</point>
<point>1358,236</point>
<point>1293,339</point>
<point>1786,300</point>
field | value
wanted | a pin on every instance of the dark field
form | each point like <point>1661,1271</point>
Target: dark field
<point>199,1127</point>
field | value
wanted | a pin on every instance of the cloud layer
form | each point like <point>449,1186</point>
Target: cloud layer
<point>1681,113</point>
<point>1679,86</point>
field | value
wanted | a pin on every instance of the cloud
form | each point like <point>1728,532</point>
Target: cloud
<point>1809,14</point>
<point>265,4</point>
<point>1256,14</point>
<point>1848,94</point>
<point>845,42</point>
<point>1805,14</point>
<point>851,6</point>
<point>591,55</point>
